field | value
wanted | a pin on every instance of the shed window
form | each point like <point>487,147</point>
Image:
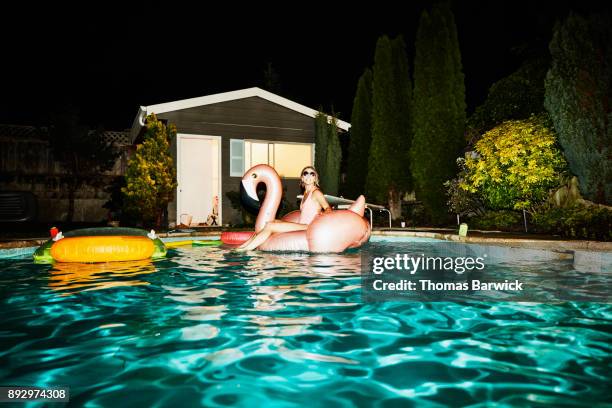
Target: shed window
<point>236,158</point>
<point>288,159</point>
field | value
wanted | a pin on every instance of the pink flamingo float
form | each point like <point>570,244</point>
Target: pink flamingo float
<point>333,231</point>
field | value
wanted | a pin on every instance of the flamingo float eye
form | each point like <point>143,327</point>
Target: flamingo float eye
<point>254,175</point>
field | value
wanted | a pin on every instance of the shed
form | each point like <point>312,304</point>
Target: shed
<point>220,136</point>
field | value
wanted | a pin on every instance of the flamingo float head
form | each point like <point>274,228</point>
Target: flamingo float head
<point>262,173</point>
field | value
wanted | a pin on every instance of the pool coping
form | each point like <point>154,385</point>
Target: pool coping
<point>586,256</point>
<point>534,243</point>
<point>547,244</point>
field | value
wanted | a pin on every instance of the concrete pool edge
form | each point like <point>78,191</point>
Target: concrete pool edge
<point>547,244</point>
<point>588,256</point>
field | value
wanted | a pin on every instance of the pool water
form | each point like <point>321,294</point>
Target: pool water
<point>212,327</point>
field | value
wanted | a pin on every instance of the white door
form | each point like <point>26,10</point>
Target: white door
<point>198,178</point>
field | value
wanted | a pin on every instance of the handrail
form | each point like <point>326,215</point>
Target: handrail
<point>333,200</point>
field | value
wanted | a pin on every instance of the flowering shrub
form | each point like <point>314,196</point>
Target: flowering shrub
<point>516,164</point>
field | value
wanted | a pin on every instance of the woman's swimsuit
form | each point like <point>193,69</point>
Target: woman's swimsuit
<point>309,209</point>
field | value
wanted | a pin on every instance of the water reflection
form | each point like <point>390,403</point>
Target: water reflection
<point>192,294</point>
<point>281,280</point>
<point>76,277</point>
<point>263,285</point>
<point>203,313</point>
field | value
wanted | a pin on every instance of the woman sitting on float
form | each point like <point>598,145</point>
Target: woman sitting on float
<point>313,201</point>
<point>307,229</point>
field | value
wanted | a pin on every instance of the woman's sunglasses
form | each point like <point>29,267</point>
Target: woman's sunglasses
<point>306,173</point>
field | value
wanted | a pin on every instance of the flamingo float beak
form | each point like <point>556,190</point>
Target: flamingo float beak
<point>247,188</point>
<point>248,195</point>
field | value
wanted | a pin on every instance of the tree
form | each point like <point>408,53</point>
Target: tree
<point>360,136</point>
<point>518,163</point>
<point>331,177</point>
<point>517,96</point>
<point>456,70</point>
<point>438,109</point>
<point>321,131</point>
<point>84,154</point>
<point>578,97</point>
<point>151,176</point>
<point>389,163</point>
<point>328,153</point>
<point>271,80</point>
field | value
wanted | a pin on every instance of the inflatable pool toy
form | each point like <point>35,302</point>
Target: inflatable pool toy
<point>92,245</point>
<point>236,237</point>
<point>203,242</point>
<point>334,231</point>
<point>101,245</point>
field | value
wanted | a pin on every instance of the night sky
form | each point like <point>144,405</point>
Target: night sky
<point>108,61</point>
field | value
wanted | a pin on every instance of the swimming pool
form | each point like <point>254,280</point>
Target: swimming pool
<point>211,327</point>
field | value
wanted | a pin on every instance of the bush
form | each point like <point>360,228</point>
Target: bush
<point>505,220</point>
<point>248,219</point>
<point>115,203</point>
<point>413,213</point>
<point>461,201</point>
<point>517,164</point>
<point>579,221</point>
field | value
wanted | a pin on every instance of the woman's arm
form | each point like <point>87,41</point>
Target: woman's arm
<point>318,195</point>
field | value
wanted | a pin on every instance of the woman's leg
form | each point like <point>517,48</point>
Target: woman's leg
<point>270,228</point>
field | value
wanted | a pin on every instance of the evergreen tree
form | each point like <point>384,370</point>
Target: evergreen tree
<point>578,96</point>
<point>360,136</point>
<point>151,176</point>
<point>331,177</point>
<point>271,80</point>
<point>402,115</point>
<point>517,96</point>
<point>456,71</point>
<point>388,166</point>
<point>438,109</point>
<point>321,138</point>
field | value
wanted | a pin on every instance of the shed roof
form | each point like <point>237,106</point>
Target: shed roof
<point>223,97</point>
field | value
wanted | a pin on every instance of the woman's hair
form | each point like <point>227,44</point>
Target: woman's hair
<point>302,175</point>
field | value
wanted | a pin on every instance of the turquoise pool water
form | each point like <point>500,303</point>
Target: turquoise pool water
<point>211,327</point>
